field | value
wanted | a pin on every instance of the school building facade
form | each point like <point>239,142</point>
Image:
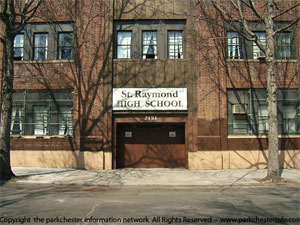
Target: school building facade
<point>148,84</point>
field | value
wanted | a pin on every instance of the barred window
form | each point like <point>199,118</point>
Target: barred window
<point>248,111</point>
<point>289,111</point>
<point>40,112</point>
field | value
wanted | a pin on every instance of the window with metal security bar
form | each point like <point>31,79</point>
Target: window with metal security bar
<point>248,111</point>
<point>42,113</point>
<point>149,39</point>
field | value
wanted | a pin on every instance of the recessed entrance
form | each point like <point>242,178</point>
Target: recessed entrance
<point>151,145</point>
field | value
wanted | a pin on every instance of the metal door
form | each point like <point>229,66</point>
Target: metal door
<point>154,145</point>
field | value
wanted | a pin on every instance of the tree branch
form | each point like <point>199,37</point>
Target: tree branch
<point>256,12</point>
<point>287,26</point>
<point>286,11</point>
<point>245,24</point>
<point>2,40</point>
<point>28,14</point>
<point>5,7</point>
<point>244,31</point>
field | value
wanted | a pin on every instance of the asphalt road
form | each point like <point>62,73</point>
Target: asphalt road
<point>58,204</point>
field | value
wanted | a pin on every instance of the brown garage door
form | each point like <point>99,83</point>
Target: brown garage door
<point>151,145</point>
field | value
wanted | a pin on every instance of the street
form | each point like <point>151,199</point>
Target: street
<point>62,204</point>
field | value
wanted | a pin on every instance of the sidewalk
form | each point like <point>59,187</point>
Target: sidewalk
<point>159,177</point>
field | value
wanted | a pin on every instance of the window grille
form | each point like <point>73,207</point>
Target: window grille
<point>255,120</point>
<point>41,113</point>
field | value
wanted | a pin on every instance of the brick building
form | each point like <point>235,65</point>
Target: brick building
<point>114,84</point>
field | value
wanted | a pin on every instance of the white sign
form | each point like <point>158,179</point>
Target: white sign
<point>149,99</point>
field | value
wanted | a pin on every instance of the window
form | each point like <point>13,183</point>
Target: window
<point>238,112</point>
<point>40,46</point>
<point>124,45</point>
<point>283,46</point>
<point>240,124</point>
<point>17,120</point>
<point>149,39</point>
<point>257,53</point>
<point>175,45</point>
<point>65,45</point>
<point>239,47</point>
<point>41,112</point>
<point>40,120</point>
<point>65,120</point>
<point>234,50</point>
<point>289,111</point>
<point>290,119</point>
<point>149,45</point>
<point>43,41</point>
<point>19,47</point>
<point>263,125</point>
<point>248,111</point>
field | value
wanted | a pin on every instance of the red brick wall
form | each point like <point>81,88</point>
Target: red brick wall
<point>84,74</point>
<point>216,74</point>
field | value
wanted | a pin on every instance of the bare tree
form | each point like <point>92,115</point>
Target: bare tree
<point>238,15</point>
<point>14,14</point>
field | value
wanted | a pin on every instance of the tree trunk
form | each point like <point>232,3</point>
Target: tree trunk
<point>6,108</point>
<point>273,156</point>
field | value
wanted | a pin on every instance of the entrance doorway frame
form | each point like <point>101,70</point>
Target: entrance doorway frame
<point>148,117</point>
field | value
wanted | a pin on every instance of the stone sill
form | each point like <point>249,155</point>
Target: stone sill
<point>44,61</point>
<point>40,137</point>
<point>260,136</point>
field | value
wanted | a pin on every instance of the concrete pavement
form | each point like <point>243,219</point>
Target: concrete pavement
<point>148,177</point>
